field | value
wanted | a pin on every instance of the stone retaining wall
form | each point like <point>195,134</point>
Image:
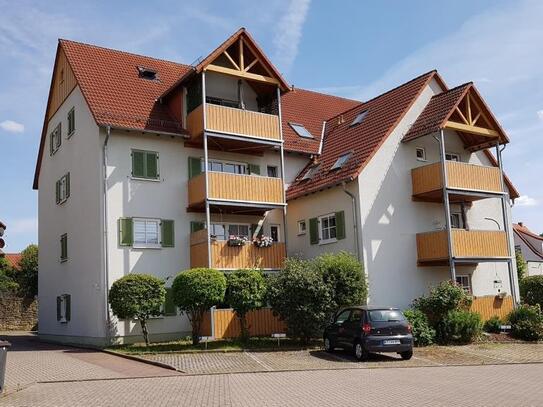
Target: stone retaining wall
<point>18,314</point>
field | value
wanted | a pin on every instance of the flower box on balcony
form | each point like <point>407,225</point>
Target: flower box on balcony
<point>235,241</point>
<point>263,241</point>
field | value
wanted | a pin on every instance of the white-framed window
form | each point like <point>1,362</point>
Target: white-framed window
<point>71,122</point>
<point>274,233</point>
<point>146,233</point>
<point>327,228</point>
<point>221,231</point>
<point>421,153</point>
<point>63,308</point>
<point>62,189</point>
<point>218,231</point>
<point>456,220</point>
<point>300,130</point>
<point>55,139</point>
<point>452,157</point>
<point>230,167</point>
<point>464,281</point>
<point>239,230</point>
<point>302,227</point>
<point>272,171</point>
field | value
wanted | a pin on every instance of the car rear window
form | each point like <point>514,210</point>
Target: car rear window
<point>386,315</point>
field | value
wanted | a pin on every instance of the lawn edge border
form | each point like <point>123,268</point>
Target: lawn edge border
<point>143,360</point>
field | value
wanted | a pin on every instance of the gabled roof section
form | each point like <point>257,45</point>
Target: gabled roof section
<point>309,109</point>
<point>525,235</point>
<point>364,139</point>
<point>14,259</point>
<point>513,192</point>
<point>461,109</point>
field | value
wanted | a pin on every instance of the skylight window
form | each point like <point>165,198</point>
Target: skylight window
<point>311,172</point>
<point>359,118</point>
<point>301,130</point>
<point>147,73</point>
<point>341,161</point>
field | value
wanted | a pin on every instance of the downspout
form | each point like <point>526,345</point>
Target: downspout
<point>106,252</point>
<point>355,219</point>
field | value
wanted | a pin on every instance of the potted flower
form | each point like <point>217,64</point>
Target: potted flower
<point>263,241</point>
<point>234,240</point>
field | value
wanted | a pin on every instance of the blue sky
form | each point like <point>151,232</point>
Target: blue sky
<point>355,49</point>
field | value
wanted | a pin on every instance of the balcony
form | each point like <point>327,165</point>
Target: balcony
<point>229,120</point>
<point>432,247</point>
<point>224,257</point>
<point>428,184</point>
<point>236,188</point>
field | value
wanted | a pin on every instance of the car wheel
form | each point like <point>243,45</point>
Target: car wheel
<point>407,355</point>
<point>359,352</point>
<point>328,345</point>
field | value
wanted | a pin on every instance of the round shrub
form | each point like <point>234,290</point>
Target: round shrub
<point>526,323</point>
<point>137,296</point>
<point>299,296</point>
<point>446,297</point>
<point>245,291</point>
<point>458,327</point>
<point>531,290</point>
<point>197,290</point>
<point>493,325</point>
<point>423,333</point>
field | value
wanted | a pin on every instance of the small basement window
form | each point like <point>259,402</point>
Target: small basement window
<point>359,118</point>
<point>341,161</point>
<point>301,130</point>
<point>421,154</point>
<point>311,172</point>
<point>147,73</point>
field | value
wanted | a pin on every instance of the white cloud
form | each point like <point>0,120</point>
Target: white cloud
<point>289,32</point>
<point>525,200</point>
<point>540,114</point>
<point>12,126</point>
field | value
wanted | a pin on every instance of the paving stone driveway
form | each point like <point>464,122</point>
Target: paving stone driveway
<point>237,362</point>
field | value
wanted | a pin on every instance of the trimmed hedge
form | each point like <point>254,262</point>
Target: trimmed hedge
<point>527,323</point>
<point>459,327</point>
<point>493,325</point>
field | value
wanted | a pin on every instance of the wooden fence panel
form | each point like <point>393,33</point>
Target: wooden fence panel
<point>261,322</point>
<point>490,305</point>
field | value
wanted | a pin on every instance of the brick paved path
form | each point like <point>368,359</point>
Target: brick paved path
<point>495,385</point>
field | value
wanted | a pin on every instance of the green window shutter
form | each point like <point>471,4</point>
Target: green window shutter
<point>64,247</point>
<point>313,231</point>
<point>67,185</point>
<point>59,138</point>
<point>68,299</point>
<point>138,164</point>
<point>168,235</point>
<point>51,146</point>
<point>57,191</point>
<point>151,161</point>
<point>195,167</point>
<point>340,225</point>
<point>169,305</point>
<point>125,232</point>
<point>254,169</point>
<point>196,226</point>
<point>58,308</point>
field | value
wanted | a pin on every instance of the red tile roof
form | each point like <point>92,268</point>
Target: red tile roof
<point>524,234</point>
<point>362,140</point>
<point>310,109</point>
<point>13,259</point>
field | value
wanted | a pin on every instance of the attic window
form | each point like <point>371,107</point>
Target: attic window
<point>341,161</point>
<point>311,172</point>
<point>359,118</point>
<point>301,130</point>
<point>147,73</point>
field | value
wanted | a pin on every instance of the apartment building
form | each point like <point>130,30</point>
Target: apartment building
<point>152,166</point>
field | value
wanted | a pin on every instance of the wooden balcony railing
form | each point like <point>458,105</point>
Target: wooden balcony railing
<point>230,120</point>
<point>226,257</point>
<point>236,187</point>
<point>427,180</point>
<point>432,246</point>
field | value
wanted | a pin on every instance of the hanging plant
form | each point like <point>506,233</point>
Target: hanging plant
<point>263,241</point>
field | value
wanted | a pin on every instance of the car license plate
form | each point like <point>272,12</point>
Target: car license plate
<point>392,342</point>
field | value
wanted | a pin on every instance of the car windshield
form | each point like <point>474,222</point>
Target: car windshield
<point>386,315</point>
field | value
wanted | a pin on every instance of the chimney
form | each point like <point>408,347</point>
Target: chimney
<point>340,120</point>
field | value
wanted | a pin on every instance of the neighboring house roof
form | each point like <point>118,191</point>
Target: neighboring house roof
<point>310,109</point>
<point>362,140</point>
<point>513,192</point>
<point>525,234</point>
<point>13,259</point>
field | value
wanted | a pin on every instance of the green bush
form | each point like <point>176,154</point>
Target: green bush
<point>344,276</point>
<point>137,296</point>
<point>458,327</point>
<point>531,290</point>
<point>526,323</point>
<point>493,325</point>
<point>423,333</point>
<point>27,275</point>
<point>299,296</point>
<point>521,265</point>
<point>197,290</point>
<point>245,291</point>
<point>447,296</point>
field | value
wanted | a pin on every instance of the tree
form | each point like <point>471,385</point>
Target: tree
<point>7,283</point>
<point>195,291</point>
<point>299,296</point>
<point>27,275</point>
<point>245,291</point>
<point>138,296</point>
<point>345,277</point>
<point>531,290</point>
<point>521,265</point>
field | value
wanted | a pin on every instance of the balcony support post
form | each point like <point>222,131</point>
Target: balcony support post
<point>282,158</point>
<point>513,282</point>
<point>446,204</point>
<point>206,172</point>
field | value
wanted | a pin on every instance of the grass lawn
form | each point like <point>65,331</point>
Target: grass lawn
<point>184,345</point>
